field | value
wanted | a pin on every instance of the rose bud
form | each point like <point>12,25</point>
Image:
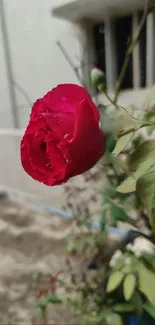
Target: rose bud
<point>97,77</point>
<point>63,137</point>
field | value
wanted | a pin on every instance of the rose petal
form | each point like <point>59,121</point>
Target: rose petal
<point>88,141</point>
<point>26,160</point>
<point>63,138</point>
<point>37,108</point>
<point>60,123</point>
<point>65,97</point>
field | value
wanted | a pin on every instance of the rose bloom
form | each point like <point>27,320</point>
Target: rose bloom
<point>63,137</point>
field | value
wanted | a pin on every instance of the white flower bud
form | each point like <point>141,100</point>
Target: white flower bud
<point>97,77</point>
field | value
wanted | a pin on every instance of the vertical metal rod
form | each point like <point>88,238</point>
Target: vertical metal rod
<point>136,53</point>
<point>110,54</point>
<point>150,49</point>
<point>8,65</point>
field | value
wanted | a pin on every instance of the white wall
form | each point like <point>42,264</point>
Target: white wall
<point>13,176</point>
<point>38,65</point>
<point>5,105</point>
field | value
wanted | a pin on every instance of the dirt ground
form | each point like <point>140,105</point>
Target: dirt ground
<point>33,242</point>
<point>29,242</point>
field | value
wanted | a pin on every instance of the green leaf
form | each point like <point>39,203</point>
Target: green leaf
<point>127,268</point>
<point>147,282</point>
<point>149,98</point>
<point>54,299</point>
<point>137,303</point>
<point>114,280</point>
<point>120,263</point>
<point>149,309</point>
<point>121,143</point>
<point>42,304</point>
<point>119,165</point>
<point>114,319</point>
<point>150,129</point>
<point>146,190</point>
<point>149,258</point>
<point>143,155</point>
<point>137,141</point>
<point>128,185</point>
<point>118,214</point>
<point>139,162</point>
<point>110,191</point>
<point>110,143</point>
<point>71,246</point>
<point>129,286</point>
<point>150,115</point>
<point>123,308</point>
<point>103,314</point>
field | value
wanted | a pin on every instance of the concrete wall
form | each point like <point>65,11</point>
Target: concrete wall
<point>37,63</point>
<point>5,105</point>
<point>12,175</point>
<point>98,9</point>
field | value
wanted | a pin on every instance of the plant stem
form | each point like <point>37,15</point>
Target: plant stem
<point>122,133</point>
<point>110,100</point>
<point>44,317</point>
<point>70,62</point>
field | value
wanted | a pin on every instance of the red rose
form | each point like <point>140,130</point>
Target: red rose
<point>63,137</point>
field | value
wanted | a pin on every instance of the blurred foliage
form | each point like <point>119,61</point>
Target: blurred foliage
<point>126,287</point>
<point>110,289</point>
<point>113,289</point>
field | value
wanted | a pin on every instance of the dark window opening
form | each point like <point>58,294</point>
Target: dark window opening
<point>99,43</point>
<point>142,44</point>
<point>123,34</point>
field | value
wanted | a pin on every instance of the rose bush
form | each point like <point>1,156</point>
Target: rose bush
<point>63,137</point>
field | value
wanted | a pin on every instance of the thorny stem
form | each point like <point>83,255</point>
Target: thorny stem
<point>110,100</point>
<point>69,60</point>
<point>125,132</point>
<point>23,92</point>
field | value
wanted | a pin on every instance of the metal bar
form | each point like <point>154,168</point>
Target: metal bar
<point>136,54</point>
<point>8,65</point>
<point>150,48</point>
<point>110,55</point>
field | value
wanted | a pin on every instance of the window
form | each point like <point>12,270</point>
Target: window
<point>99,42</point>
<point>142,54</point>
<point>121,33</point>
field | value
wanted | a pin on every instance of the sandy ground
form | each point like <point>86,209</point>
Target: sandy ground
<point>29,242</point>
